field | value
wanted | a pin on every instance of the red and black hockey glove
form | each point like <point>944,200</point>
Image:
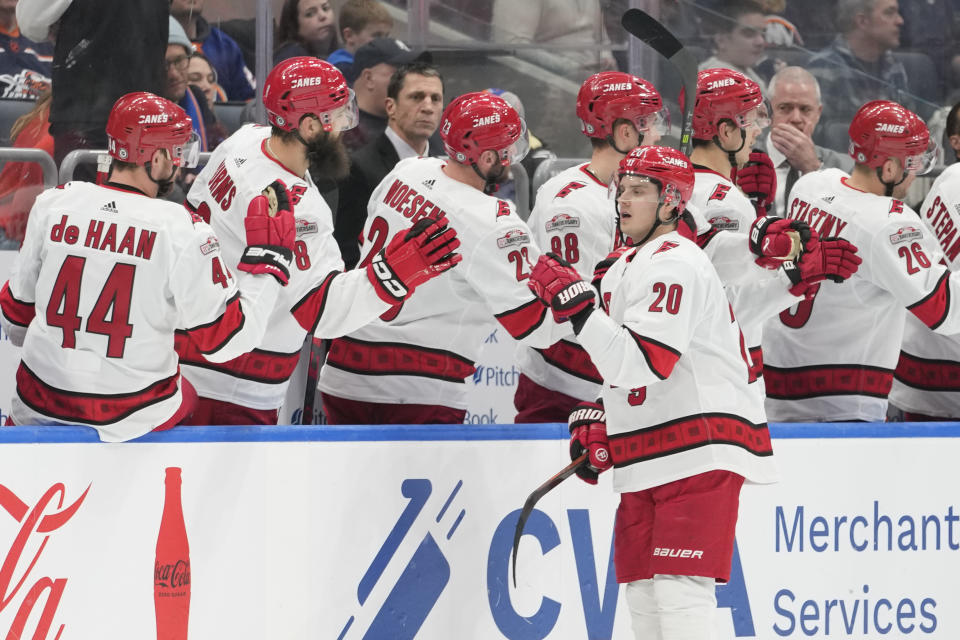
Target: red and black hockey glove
<point>562,289</point>
<point>758,179</point>
<point>776,240</point>
<point>271,233</point>
<point>588,433</point>
<point>413,256</point>
<point>830,258</point>
<point>604,265</point>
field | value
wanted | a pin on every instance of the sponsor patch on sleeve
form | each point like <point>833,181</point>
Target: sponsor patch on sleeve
<point>561,221</point>
<point>724,223</point>
<point>209,245</point>
<point>513,238</point>
<point>305,227</point>
<point>904,234</point>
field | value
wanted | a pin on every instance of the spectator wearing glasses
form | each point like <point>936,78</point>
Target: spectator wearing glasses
<point>188,97</point>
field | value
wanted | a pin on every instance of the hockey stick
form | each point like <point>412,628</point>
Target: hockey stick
<point>641,25</point>
<point>532,500</point>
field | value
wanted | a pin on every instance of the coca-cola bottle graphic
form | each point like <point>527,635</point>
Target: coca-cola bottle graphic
<point>171,569</point>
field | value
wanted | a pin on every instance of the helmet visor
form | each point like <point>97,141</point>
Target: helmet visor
<point>628,187</point>
<point>758,117</point>
<point>344,117</point>
<point>518,150</point>
<point>922,163</point>
<point>658,122</point>
<point>187,155</point>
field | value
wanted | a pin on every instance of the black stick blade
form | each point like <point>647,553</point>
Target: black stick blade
<point>641,25</point>
<point>532,500</point>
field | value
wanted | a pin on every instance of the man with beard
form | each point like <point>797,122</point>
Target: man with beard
<point>308,104</point>
<point>410,366</point>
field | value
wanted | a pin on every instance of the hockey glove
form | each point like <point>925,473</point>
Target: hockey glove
<point>777,240</point>
<point>830,258</point>
<point>758,179</point>
<point>271,233</point>
<point>604,265</point>
<point>560,287</point>
<point>413,256</point>
<point>588,433</point>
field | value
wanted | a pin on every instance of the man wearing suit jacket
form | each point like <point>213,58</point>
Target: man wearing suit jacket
<point>414,104</point>
<point>794,96</point>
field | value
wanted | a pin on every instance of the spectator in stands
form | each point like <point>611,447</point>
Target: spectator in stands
<point>859,66</point>
<point>24,64</point>
<point>795,100</point>
<point>104,49</point>
<point>738,39</point>
<point>306,28</point>
<point>414,104</point>
<point>201,74</point>
<point>22,182</point>
<point>220,49</point>
<point>360,22</point>
<point>373,66</point>
<point>573,29</point>
<point>189,97</point>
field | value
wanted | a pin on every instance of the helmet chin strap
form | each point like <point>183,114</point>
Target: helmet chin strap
<point>614,146</point>
<point>164,185</point>
<point>490,184</point>
<point>888,187</point>
<point>732,155</point>
<point>656,220</point>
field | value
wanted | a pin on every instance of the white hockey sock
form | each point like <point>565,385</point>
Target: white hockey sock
<point>686,606</point>
<point>644,616</point>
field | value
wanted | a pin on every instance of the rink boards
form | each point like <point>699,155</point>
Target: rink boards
<point>394,533</point>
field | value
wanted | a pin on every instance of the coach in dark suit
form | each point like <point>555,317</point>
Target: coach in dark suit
<point>414,105</point>
<point>795,99</point>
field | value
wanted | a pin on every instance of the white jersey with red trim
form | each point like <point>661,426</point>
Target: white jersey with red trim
<point>575,218</point>
<point>832,358</point>
<point>677,388</point>
<point>757,294</point>
<point>320,297</point>
<point>426,348</point>
<point>927,377</point>
<point>104,278</point>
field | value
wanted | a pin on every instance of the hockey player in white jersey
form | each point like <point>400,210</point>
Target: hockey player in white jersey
<point>107,273</point>
<point>831,358</point>
<point>728,116</point>
<point>926,382</point>
<point>574,217</point>
<point>411,366</point>
<point>308,104</point>
<point>678,421</point>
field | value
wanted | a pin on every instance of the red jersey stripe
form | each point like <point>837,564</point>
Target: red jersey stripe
<point>393,359</point>
<point>799,383</point>
<point>523,320</point>
<point>17,312</point>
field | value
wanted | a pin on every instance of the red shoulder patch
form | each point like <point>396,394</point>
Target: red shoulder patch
<point>719,192</point>
<point>503,208</point>
<point>570,188</point>
<point>666,246</point>
<point>896,206</point>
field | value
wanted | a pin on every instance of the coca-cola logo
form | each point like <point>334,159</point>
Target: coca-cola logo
<point>37,523</point>
<point>173,575</point>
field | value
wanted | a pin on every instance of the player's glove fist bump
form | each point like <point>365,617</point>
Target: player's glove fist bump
<point>560,287</point>
<point>271,233</point>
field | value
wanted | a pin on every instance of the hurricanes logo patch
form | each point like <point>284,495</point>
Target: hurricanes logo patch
<point>513,238</point>
<point>720,192</point>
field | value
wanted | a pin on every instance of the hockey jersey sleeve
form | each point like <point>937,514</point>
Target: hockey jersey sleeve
<point>756,294</point>
<point>18,294</point>
<point>226,316</point>
<point>582,238</point>
<point>663,302</point>
<point>342,302</point>
<point>905,260</point>
<point>498,269</point>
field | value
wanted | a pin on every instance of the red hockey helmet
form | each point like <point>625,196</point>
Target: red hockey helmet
<point>305,85</point>
<point>479,121</point>
<point>668,167</point>
<point>608,96</point>
<point>141,122</point>
<point>724,94</point>
<point>882,129</point>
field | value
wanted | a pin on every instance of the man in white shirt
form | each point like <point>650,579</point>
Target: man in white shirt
<point>414,104</point>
